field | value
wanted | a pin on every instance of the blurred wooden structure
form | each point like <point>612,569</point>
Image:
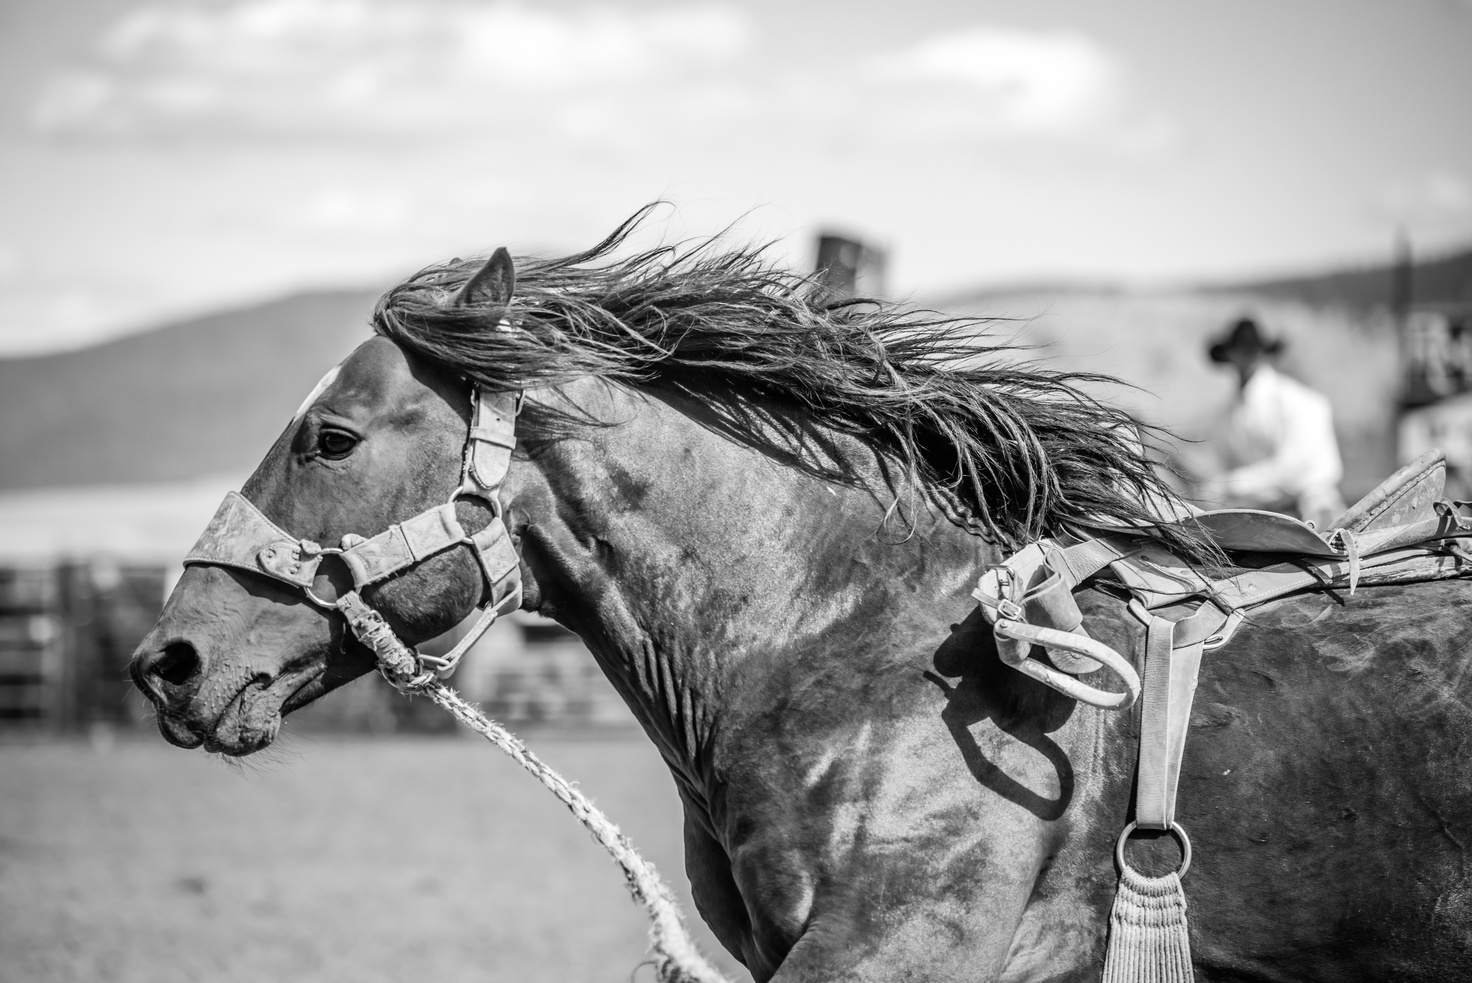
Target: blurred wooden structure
<point>66,632</point>
<point>83,576</point>
<point>31,659</point>
<point>1436,399</point>
<point>848,268</point>
<point>532,670</point>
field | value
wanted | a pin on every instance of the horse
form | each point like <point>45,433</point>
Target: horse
<point>763,512</point>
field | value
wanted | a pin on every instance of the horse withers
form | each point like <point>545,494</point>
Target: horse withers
<point>765,517</point>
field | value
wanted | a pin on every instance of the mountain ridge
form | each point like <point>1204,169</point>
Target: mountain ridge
<point>1442,279</point>
<point>200,396</point>
<point>208,395</point>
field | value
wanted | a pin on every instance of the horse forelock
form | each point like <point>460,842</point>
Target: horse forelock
<point>1022,448</point>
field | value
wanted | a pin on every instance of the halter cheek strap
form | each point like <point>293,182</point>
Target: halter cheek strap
<point>242,538</point>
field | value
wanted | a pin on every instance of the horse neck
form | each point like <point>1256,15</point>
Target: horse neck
<point>690,544</point>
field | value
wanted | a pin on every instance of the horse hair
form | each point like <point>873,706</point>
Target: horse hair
<point>1023,448</point>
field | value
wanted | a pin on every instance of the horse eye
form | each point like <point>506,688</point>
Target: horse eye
<point>335,444</point>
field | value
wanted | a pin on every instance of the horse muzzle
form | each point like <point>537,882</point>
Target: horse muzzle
<point>221,676</point>
<point>233,712</point>
<point>170,675</point>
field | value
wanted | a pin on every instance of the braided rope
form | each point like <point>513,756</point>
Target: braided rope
<point>676,958</point>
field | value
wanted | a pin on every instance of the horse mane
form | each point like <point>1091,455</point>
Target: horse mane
<point>1023,449</point>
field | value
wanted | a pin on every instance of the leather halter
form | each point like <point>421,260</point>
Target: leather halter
<point>242,538</point>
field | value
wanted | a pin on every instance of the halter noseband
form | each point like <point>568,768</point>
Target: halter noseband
<point>241,537</point>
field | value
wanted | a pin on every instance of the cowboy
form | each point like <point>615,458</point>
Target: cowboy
<point>1276,441</point>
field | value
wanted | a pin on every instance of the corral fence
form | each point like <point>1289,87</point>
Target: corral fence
<point>68,629</point>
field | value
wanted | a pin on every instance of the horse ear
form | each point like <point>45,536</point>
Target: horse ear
<point>491,286</point>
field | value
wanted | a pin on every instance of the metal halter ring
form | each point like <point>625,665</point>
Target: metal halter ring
<point>1181,838</point>
<point>307,590</point>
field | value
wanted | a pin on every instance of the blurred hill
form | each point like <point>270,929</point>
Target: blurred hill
<point>1447,279</point>
<point>205,396</point>
<point>1444,279</point>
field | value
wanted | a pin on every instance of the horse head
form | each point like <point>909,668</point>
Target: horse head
<point>379,442</point>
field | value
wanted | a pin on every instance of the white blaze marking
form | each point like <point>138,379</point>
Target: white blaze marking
<point>317,391</point>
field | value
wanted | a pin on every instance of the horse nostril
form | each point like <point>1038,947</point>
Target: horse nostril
<point>176,664</point>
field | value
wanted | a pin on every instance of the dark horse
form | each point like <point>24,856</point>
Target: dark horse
<point>764,514</point>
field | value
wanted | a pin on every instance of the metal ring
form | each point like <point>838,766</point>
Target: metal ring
<point>483,493</point>
<point>307,588</point>
<point>1225,632</point>
<point>324,605</point>
<point>1181,838</point>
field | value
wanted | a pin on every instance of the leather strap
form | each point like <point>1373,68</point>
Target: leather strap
<point>1254,587</point>
<point>1172,665</point>
<point>241,536</point>
<point>401,546</point>
<point>497,554</point>
<point>489,444</point>
<point>1088,556</point>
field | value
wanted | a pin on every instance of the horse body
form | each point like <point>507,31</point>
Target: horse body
<point>869,792</point>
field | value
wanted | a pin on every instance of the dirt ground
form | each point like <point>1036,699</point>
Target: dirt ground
<point>395,859</point>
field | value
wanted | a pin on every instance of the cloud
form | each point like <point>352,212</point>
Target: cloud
<point>1005,86</point>
<point>1000,78</point>
<point>347,209</point>
<point>1435,197</point>
<point>554,78</point>
<point>375,66</point>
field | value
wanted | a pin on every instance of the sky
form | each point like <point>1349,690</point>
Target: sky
<point>166,158</point>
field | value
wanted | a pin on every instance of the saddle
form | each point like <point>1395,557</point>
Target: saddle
<point>1403,531</point>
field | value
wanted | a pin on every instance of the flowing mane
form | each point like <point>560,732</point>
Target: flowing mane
<point>1022,449</point>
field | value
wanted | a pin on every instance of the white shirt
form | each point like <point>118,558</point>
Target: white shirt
<point>1278,446</point>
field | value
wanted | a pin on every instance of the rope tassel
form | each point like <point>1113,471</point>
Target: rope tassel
<point>1148,942</point>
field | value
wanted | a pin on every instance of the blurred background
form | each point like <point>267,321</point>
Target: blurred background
<point>200,200</point>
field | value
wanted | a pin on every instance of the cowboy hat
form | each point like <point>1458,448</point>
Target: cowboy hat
<point>1245,336</point>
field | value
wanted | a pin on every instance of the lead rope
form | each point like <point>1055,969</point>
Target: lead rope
<point>675,956</point>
